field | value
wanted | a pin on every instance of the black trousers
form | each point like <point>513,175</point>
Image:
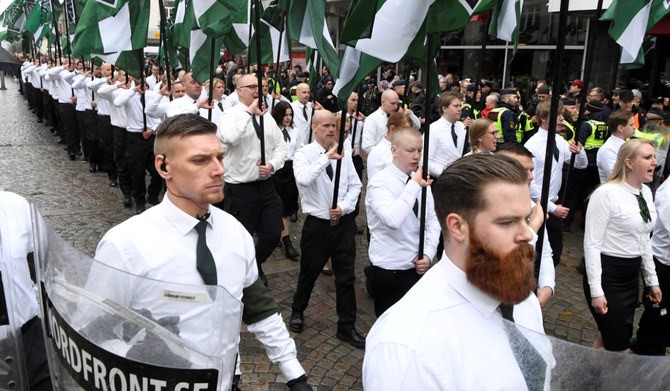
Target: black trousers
<point>555,236</point>
<point>321,241</point>
<point>85,133</point>
<point>37,102</point>
<point>574,192</point>
<point>389,286</point>
<point>358,166</point>
<point>120,136</point>
<point>48,109</point>
<point>106,146</point>
<point>70,129</point>
<point>258,207</point>
<point>654,326</point>
<point>35,353</point>
<point>140,154</point>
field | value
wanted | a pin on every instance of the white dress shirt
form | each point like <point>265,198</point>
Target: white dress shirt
<point>231,101</point>
<point>157,105</point>
<point>160,244</point>
<point>446,334</point>
<point>63,88</point>
<point>374,129</point>
<point>134,114</point>
<point>82,93</point>
<point>16,242</point>
<point>103,105</point>
<point>547,275</point>
<point>183,105</point>
<point>355,144</point>
<point>151,81</point>
<point>217,110</point>
<point>615,227</point>
<point>441,150</point>
<point>300,122</point>
<point>117,115</point>
<point>294,143</point>
<point>243,148</point>
<point>316,188</point>
<point>660,242</point>
<point>606,157</point>
<point>379,157</point>
<point>537,145</point>
<point>394,228</point>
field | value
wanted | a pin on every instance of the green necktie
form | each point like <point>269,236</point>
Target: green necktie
<point>644,209</point>
<point>287,137</point>
<point>204,259</point>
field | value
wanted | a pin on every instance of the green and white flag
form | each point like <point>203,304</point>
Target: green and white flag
<point>505,21</point>
<point>215,17</point>
<point>238,38</point>
<point>39,20</point>
<point>200,54</point>
<point>269,39</point>
<point>452,15</point>
<point>13,19</point>
<point>631,19</point>
<point>129,61</point>
<point>110,26</point>
<point>306,23</point>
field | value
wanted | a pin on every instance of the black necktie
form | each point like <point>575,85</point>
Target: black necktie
<point>220,106</point>
<point>415,208</point>
<point>257,127</point>
<point>204,259</point>
<point>454,136</point>
<point>304,112</point>
<point>532,365</point>
<point>329,170</point>
<point>644,209</point>
<point>287,137</point>
<point>556,153</point>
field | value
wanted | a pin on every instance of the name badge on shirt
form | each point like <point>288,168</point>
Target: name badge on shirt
<point>185,297</point>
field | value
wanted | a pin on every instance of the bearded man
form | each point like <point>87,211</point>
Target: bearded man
<point>448,331</point>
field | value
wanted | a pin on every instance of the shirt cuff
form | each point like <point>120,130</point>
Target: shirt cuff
<point>291,369</point>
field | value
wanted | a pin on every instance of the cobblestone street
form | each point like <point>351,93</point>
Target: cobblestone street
<point>82,207</point>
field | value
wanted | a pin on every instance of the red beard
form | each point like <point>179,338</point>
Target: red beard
<point>509,277</point>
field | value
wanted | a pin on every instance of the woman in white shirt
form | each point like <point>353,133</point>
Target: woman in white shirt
<point>619,219</point>
<point>284,180</point>
<point>621,126</point>
<point>483,136</point>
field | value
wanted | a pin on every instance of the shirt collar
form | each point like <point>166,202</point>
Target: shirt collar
<point>180,220</point>
<point>631,189</point>
<point>446,121</point>
<point>486,304</point>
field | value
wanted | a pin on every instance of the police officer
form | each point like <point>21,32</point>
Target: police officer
<point>504,115</point>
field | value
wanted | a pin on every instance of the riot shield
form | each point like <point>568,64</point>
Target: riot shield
<point>107,329</point>
<point>13,375</point>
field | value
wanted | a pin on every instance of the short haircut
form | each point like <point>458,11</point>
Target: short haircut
<point>514,149</point>
<point>543,109</point>
<point>279,111</point>
<point>181,126</point>
<point>447,99</point>
<point>599,91</point>
<point>618,118</point>
<point>460,188</point>
<point>402,132</point>
<point>398,120</point>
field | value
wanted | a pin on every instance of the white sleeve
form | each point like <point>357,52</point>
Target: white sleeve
<point>597,218</point>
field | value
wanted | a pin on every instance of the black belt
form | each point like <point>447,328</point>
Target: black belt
<point>394,272</point>
<point>249,184</point>
<point>324,221</point>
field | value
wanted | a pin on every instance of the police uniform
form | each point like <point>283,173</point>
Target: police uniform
<point>506,121</point>
<point>16,243</point>
<point>392,202</point>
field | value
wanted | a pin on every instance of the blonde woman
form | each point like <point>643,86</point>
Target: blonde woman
<point>619,219</point>
<point>483,136</point>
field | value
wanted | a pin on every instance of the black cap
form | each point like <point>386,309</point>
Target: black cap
<point>568,101</point>
<point>418,84</point>
<point>658,99</point>
<point>398,83</point>
<point>594,106</point>
<point>626,95</point>
<point>372,81</point>
<point>507,91</point>
<point>544,89</point>
<point>302,74</point>
<point>487,83</point>
<point>472,87</point>
<point>656,113</point>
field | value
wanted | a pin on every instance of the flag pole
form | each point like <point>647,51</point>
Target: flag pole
<point>259,75</point>
<point>482,53</point>
<point>584,92</point>
<point>212,49</point>
<point>430,56</point>
<point>161,7</point>
<point>551,137</point>
<point>338,165</point>
<point>281,34</point>
<point>251,15</point>
<point>311,96</point>
<point>67,32</point>
<point>142,97</point>
<point>58,49</point>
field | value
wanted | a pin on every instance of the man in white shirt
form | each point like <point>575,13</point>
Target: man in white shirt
<point>327,232</point>
<point>392,205</point>
<point>448,137</point>
<point>61,77</point>
<point>303,112</point>
<point>192,102</point>
<point>621,126</point>
<point>448,332</point>
<point>537,145</point>
<point>375,124</point>
<point>105,131</point>
<point>249,194</point>
<point>154,78</point>
<point>355,117</point>
<point>162,244</point>
<point>16,250</point>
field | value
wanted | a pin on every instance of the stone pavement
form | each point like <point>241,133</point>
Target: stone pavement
<point>81,207</point>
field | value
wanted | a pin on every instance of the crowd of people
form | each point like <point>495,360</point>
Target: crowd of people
<point>262,161</point>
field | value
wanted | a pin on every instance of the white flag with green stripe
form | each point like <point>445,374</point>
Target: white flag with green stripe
<point>306,23</point>
<point>631,19</point>
<point>505,20</point>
